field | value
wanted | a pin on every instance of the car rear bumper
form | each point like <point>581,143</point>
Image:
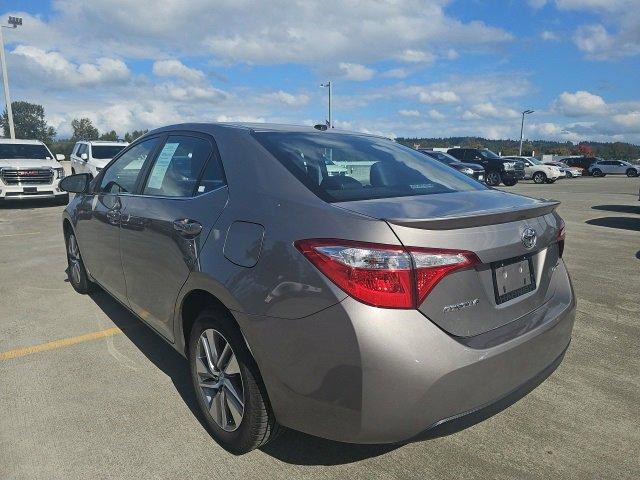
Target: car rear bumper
<point>361,374</point>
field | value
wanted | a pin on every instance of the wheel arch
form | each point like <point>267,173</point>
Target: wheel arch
<point>194,301</point>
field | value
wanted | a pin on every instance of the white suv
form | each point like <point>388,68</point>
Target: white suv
<point>537,171</point>
<point>28,170</point>
<point>92,156</point>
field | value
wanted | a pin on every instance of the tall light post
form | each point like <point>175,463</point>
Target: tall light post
<point>526,112</point>
<point>14,22</point>
<point>328,85</point>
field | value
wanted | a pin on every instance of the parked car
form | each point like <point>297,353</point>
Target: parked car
<point>497,170</point>
<point>29,170</point>
<point>416,301</point>
<point>537,171</point>
<point>92,156</point>
<point>613,167</point>
<point>581,162</point>
<point>570,172</point>
<point>470,169</point>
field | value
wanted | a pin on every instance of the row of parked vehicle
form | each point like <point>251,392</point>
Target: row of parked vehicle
<point>29,170</point>
<point>485,165</point>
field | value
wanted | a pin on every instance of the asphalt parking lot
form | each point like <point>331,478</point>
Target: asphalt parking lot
<point>82,399</point>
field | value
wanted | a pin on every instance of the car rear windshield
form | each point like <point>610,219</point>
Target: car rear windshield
<point>103,152</point>
<point>370,167</point>
<point>12,151</point>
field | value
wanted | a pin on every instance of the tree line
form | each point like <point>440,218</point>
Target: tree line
<point>608,150</point>
<point>30,123</point>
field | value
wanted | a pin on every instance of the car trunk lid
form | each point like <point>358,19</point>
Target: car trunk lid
<point>491,224</point>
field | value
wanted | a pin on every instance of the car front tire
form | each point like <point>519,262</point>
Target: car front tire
<point>493,179</point>
<point>632,172</point>
<point>539,177</point>
<point>597,172</point>
<point>76,272</point>
<point>510,182</point>
<point>228,386</point>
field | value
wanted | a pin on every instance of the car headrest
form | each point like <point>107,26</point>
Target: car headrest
<point>340,182</point>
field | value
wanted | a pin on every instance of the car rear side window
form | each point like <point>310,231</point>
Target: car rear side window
<point>177,167</point>
<point>340,167</point>
<point>122,175</point>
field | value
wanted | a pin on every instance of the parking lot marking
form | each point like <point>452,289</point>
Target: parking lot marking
<point>18,234</point>
<point>63,342</point>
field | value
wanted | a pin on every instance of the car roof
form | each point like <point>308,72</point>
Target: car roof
<point>20,141</point>
<point>256,127</point>
<point>103,142</point>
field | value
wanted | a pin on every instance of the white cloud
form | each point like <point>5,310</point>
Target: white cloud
<point>438,96</point>
<point>435,114</point>
<point>579,104</point>
<point>177,69</point>
<point>489,110</point>
<point>287,98</point>
<point>416,56</point>
<point>409,113</point>
<point>54,69</point>
<point>356,72</point>
<point>549,36</point>
<point>395,73</point>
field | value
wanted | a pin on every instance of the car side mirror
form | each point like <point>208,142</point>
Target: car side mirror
<point>60,157</point>
<point>84,157</point>
<point>78,183</point>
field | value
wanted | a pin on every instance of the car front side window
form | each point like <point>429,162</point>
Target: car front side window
<point>177,167</point>
<point>122,175</point>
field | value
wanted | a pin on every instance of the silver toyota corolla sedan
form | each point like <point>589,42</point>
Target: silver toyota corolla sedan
<point>386,299</point>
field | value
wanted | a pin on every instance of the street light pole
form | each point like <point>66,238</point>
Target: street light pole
<point>526,112</point>
<point>328,85</point>
<point>14,22</point>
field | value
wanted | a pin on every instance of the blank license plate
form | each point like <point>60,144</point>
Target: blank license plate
<point>512,278</point>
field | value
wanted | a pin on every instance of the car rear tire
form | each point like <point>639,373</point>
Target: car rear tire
<point>597,172</point>
<point>510,182</point>
<point>76,272</point>
<point>539,177</point>
<point>228,385</point>
<point>493,179</point>
<point>632,172</point>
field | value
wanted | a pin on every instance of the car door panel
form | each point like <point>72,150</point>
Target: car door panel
<point>98,233</point>
<point>156,258</point>
<point>163,228</point>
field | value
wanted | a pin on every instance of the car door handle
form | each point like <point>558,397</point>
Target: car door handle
<point>113,215</point>
<point>187,228</point>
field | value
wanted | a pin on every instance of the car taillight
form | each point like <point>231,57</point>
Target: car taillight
<point>385,276</point>
<point>561,236</point>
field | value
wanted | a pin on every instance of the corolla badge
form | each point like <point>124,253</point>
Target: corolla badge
<point>459,306</point>
<point>529,238</point>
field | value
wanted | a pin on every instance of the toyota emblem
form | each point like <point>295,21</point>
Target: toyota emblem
<point>529,238</point>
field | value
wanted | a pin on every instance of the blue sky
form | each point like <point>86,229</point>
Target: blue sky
<point>399,67</point>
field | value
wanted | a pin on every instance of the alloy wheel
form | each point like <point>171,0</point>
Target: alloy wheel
<point>73,254</point>
<point>219,380</point>
<point>493,179</point>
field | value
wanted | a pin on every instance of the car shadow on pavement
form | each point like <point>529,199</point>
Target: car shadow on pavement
<point>162,355</point>
<point>635,209</point>
<point>624,223</point>
<point>291,447</point>
<point>301,449</point>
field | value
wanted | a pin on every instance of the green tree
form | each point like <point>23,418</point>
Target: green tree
<point>111,136</point>
<point>83,129</point>
<point>29,122</point>
<point>131,136</point>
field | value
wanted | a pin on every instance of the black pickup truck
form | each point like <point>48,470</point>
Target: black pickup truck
<point>497,169</point>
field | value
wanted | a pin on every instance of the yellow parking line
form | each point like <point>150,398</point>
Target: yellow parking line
<point>63,342</point>
<point>18,234</point>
